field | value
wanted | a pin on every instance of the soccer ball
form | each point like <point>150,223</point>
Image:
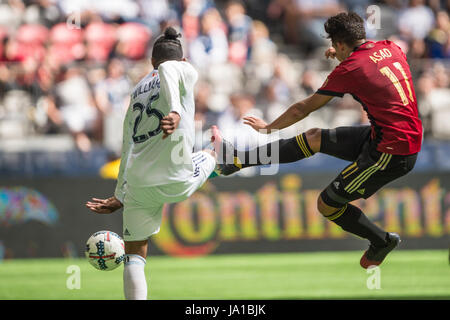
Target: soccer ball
<point>105,250</point>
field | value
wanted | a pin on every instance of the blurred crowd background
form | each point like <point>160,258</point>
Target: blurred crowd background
<point>67,67</point>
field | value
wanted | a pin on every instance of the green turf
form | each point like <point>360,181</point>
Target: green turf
<point>324,275</point>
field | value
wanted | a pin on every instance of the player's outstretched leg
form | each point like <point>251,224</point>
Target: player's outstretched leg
<point>231,160</point>
<point>134,282</point>
<point>227,159</point>
<point>353,220</point>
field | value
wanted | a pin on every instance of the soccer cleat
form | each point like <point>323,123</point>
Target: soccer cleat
<point>227,162</point>
<point>374,256</point>
<point>227,169</point>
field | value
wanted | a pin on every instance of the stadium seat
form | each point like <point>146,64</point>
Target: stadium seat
<point>97,52</point>
<point>66,54</point>
<point>32,34</point>
<point>100,38</point>
<point>134,38</point>
<point>66,44</point>
<point>132,31</point>
<point>30,40</point>
<point>100,32</point>
<point>61,34</point>
<point>36,51</point>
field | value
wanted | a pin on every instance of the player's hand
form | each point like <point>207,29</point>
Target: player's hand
<point>330,53</point>
<point>169,123</point>
<point>257,124</point>
<point>104,205</point>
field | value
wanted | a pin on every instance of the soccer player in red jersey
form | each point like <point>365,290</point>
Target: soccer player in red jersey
<point>378,76</point>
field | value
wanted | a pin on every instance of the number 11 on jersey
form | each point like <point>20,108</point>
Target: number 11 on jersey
<point>386,71</point>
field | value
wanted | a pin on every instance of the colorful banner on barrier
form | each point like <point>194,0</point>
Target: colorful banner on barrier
<point>280,210</point>
<point>47,217</point>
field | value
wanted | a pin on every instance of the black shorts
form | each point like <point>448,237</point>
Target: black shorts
<point>370,169</point>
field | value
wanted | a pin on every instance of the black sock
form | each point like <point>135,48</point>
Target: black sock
<point>353,220</point>
<point>280,151</point>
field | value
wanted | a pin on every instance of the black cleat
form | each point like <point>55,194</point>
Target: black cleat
<point>374,256</point>
<point>227,162</point>
<point>227,169</point>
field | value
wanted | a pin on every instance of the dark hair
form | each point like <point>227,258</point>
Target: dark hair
<point>345,27</point>
<point>167,46</point>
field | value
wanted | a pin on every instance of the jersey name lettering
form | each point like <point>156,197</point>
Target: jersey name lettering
<point>146,87</point>
<point>380,55</point>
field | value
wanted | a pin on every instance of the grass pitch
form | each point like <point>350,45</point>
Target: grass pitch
<point>421,274</point>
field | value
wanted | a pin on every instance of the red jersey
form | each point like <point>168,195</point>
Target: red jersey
<point>377,75</point>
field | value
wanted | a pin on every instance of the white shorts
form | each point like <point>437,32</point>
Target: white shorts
<point>143,206</point>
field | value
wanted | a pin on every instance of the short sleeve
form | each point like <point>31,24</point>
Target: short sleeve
<point>190,74</point>
<point>339,82</point>
<point>170,79</point>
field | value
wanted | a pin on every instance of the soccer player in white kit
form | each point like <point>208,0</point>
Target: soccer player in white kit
<point>157,164</point>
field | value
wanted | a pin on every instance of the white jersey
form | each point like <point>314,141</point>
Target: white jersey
<point>147,159</point>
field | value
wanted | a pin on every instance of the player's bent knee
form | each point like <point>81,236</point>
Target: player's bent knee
<point>313,132</point>
<point>313,136</point>
<point>325,209</point>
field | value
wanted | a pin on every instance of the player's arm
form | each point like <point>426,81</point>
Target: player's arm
<point>338,82</point>
<point>169,123</point>
<point>170,79</point>
<point>115,202</point>
<point>296,112</point>
<point>104,205</point>
<point>330,53</point>
<point>127,144</point>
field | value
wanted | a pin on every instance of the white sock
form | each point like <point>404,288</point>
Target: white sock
<point>134,283</point>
